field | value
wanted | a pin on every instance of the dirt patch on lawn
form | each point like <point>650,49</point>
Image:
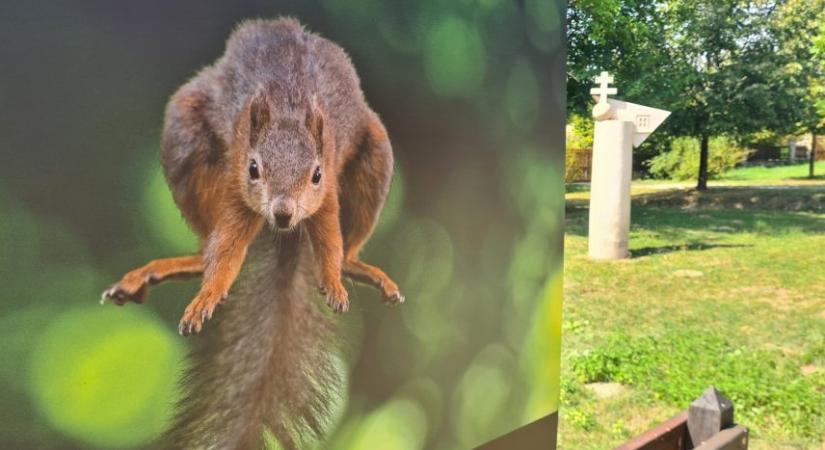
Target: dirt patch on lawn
<point>778,298</point>
<point>605,390</point>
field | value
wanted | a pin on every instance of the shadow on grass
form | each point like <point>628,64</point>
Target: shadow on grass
<point>776,198</point>
<point>576,187</point>
<point>697,246</point>
<point>680,225</point>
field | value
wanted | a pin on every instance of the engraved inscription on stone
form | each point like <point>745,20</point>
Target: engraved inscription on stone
<point>643,123</point>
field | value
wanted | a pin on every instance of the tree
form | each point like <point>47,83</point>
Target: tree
<point>714,63</point>
<point>818,90</point>
<point>733,79</point>
<point>800,26</point>
<point>624,37</point>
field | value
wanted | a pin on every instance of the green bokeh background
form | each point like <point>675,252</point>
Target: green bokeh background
<point>472,95</point>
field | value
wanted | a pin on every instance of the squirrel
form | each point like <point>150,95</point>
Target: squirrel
<point>272,151</point>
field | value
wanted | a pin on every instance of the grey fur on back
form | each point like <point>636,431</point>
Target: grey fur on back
<point>264,361</point>
<point>292,65</point>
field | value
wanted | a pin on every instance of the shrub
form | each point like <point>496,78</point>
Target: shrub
<point>579,142</point>
<point>682,161</point>
<point>580,132</point>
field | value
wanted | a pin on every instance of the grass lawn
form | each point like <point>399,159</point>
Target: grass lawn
<point>786,177</point>
<point>724,288</point>
<point>783,173</point>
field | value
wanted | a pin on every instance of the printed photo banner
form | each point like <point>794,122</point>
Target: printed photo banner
<point>471,97</point>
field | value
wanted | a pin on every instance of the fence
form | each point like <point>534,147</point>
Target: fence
<point>577,164</point>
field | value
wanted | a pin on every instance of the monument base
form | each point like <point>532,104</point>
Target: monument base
<point>608,250</point>
<point>609,218</point>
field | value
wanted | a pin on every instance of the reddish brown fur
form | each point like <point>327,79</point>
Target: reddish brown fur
<point>207,170</point>
<point>288,103</point>
<point>157,271</point>
<point>370,169</point>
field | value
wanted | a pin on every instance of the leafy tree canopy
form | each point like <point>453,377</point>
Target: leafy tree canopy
<point>723,67</point>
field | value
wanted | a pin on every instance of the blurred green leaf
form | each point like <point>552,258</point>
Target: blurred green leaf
<point>454,57</point>
<point>394,205</point>
<point>482,397</point>
<point>521,95</point>
<point>162,216</point>
<point>398,425</point>
<point>501,26</point>
<point>541,356</point>
<point>106,376</point>
<point>543,22</point>
<point>425,259</point>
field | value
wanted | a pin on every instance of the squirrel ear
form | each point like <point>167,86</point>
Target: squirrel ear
<point>315,123</point>
<point>259,115</point>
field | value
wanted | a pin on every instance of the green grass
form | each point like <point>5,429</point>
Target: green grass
<point>788,177</point>
<point>761,173</point>
<point>728,290</point>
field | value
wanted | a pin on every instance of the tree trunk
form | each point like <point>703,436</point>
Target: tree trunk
<point>812,160</point>
<point>702,185</point>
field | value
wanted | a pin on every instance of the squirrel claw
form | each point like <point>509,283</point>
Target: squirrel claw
<point>115,295</point>
<point>188,327</point>
<point>336,296</point>
<point>394,298</point>
<point>198,313</point>
<point>338,306</point>
<point>120,296</point>
<point>104,297</point>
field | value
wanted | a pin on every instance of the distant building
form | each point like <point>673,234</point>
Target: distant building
<point>804,145</point>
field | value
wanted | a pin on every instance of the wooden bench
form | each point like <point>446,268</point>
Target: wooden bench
<point>708,421</point>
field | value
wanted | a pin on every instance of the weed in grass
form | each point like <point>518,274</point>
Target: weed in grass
<point>581,417</point>
<point>619,430</point>
<point>578,405</point>
<point>676,365</point>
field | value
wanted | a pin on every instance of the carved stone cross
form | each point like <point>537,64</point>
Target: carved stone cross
<point>602,108</point>
<point>604,89</point>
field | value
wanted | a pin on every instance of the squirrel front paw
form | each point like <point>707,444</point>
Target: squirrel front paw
<point>360,271</point>
<point>198,312</point>
<point>131,288</point>
<point>336,295</point>
<point>393,296</point>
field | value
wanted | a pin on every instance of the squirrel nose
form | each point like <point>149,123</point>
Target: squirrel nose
<point>282,210</point>
<point>282,219</point>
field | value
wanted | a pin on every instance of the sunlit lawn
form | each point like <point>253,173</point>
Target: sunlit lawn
<point>779,173</point>
<point>728,290</point>
<point>795,175</point>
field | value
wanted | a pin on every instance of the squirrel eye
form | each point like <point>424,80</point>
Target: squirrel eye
<point>253,170</point>
<point>316,176</point>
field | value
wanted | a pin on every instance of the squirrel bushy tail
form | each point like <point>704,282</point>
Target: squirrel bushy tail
<point>266,363</point>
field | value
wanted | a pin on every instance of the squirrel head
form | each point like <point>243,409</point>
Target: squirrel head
<point>281,159</point>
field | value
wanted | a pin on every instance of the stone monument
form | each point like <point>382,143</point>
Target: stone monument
<point>620,127</point>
